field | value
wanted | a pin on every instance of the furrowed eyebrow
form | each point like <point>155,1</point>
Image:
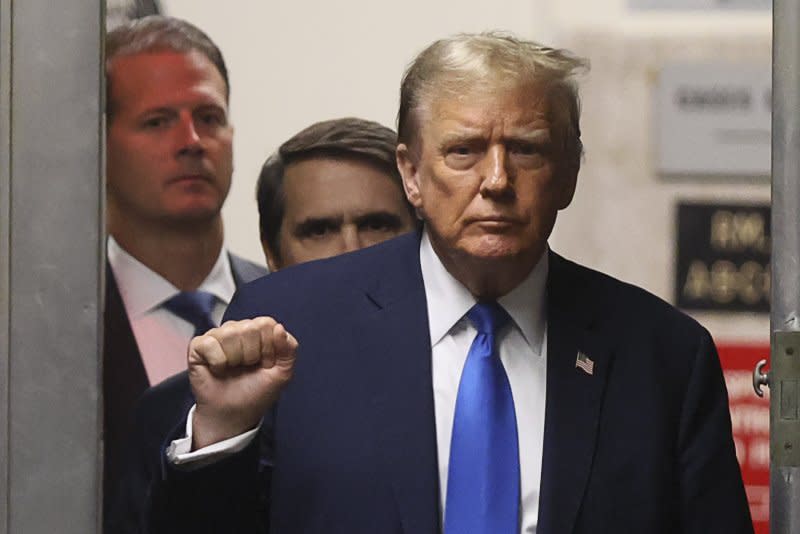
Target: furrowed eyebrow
<point>212,107</point>
<point>531,136</point>
<point>309,224</point>
<point>158,111</point>
<point>383,217</point>
<point>461,137</point>
<point>538,135</point>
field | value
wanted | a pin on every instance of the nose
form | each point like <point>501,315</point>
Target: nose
<point>188,138</point>
<point>351,239</point>
<point>495,173</point>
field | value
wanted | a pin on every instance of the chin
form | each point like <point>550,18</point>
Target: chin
<point>494,247</point>
<point>198,214</point>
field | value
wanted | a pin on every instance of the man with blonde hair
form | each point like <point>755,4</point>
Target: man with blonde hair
<point>466,378</point>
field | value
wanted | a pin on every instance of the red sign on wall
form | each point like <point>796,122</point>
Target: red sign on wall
<point>750,418</point>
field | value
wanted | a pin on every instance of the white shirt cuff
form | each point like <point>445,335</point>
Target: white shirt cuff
<point>180,453</point>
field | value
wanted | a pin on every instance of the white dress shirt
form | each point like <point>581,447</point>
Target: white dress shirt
<point>522,351</point>
<point>163,337</point>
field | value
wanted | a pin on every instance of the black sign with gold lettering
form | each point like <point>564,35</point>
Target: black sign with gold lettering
<point>723,257</point>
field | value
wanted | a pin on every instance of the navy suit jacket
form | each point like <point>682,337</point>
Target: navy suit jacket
<point>124,377</point>
<point>643,444</point>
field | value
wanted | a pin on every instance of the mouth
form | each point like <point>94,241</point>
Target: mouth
<point>494,223</point>
<point>190,179</point>
<point>499,219</point>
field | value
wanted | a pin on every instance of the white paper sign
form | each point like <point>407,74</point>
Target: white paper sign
<point>713,119</point>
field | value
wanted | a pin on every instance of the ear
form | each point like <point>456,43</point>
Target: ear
<point>409,171</point>
<point>272,259</point>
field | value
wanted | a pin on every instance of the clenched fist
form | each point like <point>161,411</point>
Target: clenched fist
<point>237,372</point>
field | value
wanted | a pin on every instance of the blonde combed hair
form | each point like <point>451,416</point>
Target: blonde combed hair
<point>490,61</point>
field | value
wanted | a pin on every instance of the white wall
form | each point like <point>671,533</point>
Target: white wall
<point>623,218</point>
<point>294,63</point>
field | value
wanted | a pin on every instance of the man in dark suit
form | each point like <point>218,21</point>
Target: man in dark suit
<point>169,166</point>
<point>463,379</point>
<point>331,188</point>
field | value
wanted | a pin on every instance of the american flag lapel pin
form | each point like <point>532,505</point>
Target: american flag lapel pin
<point>584,363</point>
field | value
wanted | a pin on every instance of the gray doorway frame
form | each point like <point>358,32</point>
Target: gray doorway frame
<point>51,254</point>
<point>784,375</point>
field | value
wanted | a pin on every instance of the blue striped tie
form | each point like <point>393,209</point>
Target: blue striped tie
<point>483,473</point>
<point>195,307</point>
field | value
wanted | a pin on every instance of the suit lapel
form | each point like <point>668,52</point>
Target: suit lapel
<point>244,271</point>
<point>123,372</point>
<point>395,338</point>
<point>124,376</point>
<point>574,396</point>
<point>124,379</point>
<point>397,367</point>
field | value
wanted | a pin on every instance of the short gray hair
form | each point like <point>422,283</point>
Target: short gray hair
<point>495,60</point>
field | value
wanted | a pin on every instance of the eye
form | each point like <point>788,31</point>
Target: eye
<point>380,222</point>
<point>155,122</point>
<point>213,118</point>
<point>462,156</point>
<point>317,229</point>
<point>528,155</point>
<point>460,150</point>
<point>523,149</point>
<point>375,226</point>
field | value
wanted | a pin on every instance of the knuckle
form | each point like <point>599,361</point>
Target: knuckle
<point>263,322</point>
<point>203,344</point>
<point>228,330</point>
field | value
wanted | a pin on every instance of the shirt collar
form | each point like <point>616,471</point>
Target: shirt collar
<point>449,300</point>
<point>152,289</point>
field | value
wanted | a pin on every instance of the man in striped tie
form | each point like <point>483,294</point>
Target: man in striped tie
<point>463,379</point>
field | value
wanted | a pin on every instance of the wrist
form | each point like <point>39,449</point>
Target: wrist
<point>208,429</point>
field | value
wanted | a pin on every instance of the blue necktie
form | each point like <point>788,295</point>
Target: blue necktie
<point>483,473</point>
<point>195,307</point>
